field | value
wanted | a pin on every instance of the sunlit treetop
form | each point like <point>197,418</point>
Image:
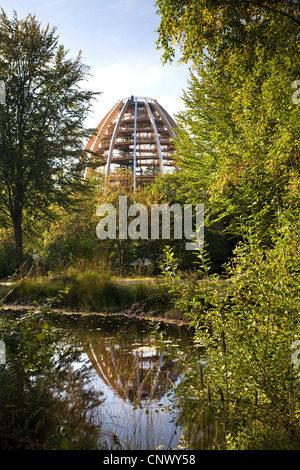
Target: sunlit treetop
<point>213,27</point>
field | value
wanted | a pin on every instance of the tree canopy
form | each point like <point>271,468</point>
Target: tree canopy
<point>238,137</point>
<point>216,27</point>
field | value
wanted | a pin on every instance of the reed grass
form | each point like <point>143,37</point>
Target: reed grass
<point>89,291</point>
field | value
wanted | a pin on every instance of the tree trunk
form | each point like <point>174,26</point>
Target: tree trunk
<point>18,235</point>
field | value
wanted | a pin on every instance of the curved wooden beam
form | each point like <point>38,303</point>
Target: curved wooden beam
<point>112,142</point>
<point>165,117</point>
<point>94,141</point>
<point>156,136</point>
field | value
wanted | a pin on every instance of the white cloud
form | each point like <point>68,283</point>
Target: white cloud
<point>119,81</point>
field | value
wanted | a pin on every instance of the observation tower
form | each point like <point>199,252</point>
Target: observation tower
<point>136,134</point>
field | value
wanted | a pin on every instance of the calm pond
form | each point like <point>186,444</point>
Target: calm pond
<point>134,372</point>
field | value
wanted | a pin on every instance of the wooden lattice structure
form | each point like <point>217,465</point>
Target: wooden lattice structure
<point>136,134</point>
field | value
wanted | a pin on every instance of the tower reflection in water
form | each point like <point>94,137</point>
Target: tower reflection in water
<point>134,375</point>
<point>126,357</point>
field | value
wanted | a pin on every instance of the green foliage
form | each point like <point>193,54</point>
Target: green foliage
<point>36,413</point>
<point>70,239</point>
<point>218,27</point>
<point>245,386</point>
<point>238,138</point>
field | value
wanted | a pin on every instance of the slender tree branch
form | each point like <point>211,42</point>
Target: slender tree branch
<point>267,7</point>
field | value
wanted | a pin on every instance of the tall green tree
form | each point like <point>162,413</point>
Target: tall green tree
<point>239,142</point>
<point>239,136</point>
<point>41,123</point>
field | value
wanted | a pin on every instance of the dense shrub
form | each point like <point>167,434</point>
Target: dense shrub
<point>245,388</point>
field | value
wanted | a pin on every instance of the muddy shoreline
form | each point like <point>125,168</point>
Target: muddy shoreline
<point>135,313</point>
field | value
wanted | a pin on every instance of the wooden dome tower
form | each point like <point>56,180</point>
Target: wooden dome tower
<point>136,134</point>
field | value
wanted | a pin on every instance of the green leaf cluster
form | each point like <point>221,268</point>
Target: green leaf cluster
<point>245,384</point>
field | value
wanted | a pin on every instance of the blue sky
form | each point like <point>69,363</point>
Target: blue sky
<point>117,39</point>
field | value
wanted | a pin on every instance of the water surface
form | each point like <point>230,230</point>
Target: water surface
<point>135,370</point>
